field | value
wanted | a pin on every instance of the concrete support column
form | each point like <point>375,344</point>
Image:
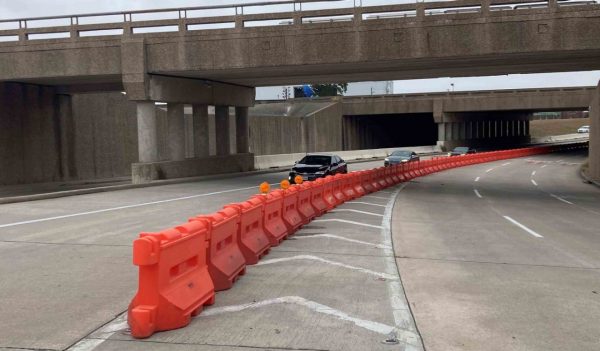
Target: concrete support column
<point>469,134</point>
<point>442,131</point>
<point>67,137</point>
<point>176,132</point>
<point>462,132</point>
<point>527,128</point>
<point>242,131</point>
<point>201,131</point>
<point>594,150</point>
<point>222,130</point>
<point>147,134</point>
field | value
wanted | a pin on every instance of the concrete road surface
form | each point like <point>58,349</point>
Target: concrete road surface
<point>67,276</point>
<point>502,256</point>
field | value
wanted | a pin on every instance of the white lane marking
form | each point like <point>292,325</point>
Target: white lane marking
<point>506,164</point>
<point>561,199</point>
<point>322,260</point>
<point>533,173</point>
<point>356,211</point>
<point>123,207</point>
<point>534,182</point>
<point>365,203</point>
<point>377,197</point>
<point>99,336</point>
<point>489,170</point>
<point>477,193</point>
<point>332,236</point>
<point>522,227</point>
<point>406,329</point>
<point>544,166</point>
<point>300,301</point>
<point>349,222</point>
<point>477,179</point>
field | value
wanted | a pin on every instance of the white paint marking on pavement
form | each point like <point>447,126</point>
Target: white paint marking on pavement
<point>544,166</point>
<point>522,227</point>
<point>356,211</point>
<point>123,207</point>
<point>349,222</point>
<point>477,179</point>
<point>300,301</point>
<point>377,197</point>
<point>506,164</point>
<point>561,199</point>
<point>406,329</point>
<point>365,203</point>
<point>534,182</point>
<point>332,236</point>
<point>533,173</point>
<point>477,193</point>
<point>322,260</point>
<point>101,335</point>
<point>489,170</point>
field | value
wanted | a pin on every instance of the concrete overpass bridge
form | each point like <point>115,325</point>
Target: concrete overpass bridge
<point>480,118</point>
<point>190,56</point>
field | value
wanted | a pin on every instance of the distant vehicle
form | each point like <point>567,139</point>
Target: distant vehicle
<point>583,129</point>
<point>462,150</point>
<point>400,156</point>
<point>313,166</point>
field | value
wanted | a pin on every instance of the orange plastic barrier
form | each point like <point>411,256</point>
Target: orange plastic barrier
<point>252,239</point>
<point>381,178</point>
<point>318,197</point>
<point>328,196</point>
<point>338,189</point>
<point>174,283</point>
<point>357,183</point>
<point>290,214</point>
<point>387,175</point>
<point>226,263</point>
<point>273,223</point>
<point>305,207</point>
<point>367,184</point>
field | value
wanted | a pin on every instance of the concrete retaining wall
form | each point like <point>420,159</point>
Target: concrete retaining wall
<point>146,172</point>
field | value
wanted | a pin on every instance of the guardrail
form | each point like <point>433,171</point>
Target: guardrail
<point>282,13</point>
<point>181,268</point>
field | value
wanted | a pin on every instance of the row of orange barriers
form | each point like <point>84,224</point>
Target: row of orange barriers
<point>181,268</point>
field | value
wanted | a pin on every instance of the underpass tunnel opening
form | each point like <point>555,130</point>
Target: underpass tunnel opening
<point>388,130</point>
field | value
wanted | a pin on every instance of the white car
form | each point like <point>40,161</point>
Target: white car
<point>583,129</point>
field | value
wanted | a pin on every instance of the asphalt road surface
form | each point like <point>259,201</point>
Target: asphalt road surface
<point>502,256</point>
<point>67,275</point>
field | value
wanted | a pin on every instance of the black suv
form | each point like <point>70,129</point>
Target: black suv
<point>313,166</point>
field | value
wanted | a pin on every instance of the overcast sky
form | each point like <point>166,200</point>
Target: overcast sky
<point>11,9</point>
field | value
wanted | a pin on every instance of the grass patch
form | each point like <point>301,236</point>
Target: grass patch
<point>547,127</point>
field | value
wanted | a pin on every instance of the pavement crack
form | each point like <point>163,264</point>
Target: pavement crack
<point>62,244</point>
<point>224,346</point>
<point>494,263</point>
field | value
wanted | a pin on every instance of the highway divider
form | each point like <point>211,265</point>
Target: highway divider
<point>181,268</point>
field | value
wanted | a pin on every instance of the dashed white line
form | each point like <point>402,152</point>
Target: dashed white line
<point>534,182</point>
<point>348,222</point>
<point>533,173</point>
<point>122,207</point>
<point>489,170</point>
<point>356,211</point>
<point>365,203</point>
<point>477,179</point>
<point>544,166</point>
<point>506,164</point>
<point>522,227</point>
<point>332,236</point>
<point>300,301</point>
<point>561,199</point>
<point>322,260</point>
<point>477,193</point>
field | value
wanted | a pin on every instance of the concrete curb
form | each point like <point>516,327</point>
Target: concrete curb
<point>102,189</point>
<point>587,179</point>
